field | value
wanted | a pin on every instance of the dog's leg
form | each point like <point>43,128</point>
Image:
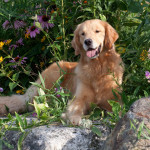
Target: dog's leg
<point>17,103</point>
<point>78,107</point>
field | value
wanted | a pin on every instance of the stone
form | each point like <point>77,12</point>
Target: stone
<point>55,137</point>
<point>125,134</point>
<point>130,133</point>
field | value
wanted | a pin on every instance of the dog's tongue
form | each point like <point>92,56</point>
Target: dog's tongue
<point>91,53</point>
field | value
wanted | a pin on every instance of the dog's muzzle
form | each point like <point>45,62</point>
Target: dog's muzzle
<point>93,53</point>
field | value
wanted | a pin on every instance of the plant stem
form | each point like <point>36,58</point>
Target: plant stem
<point>94,8</point>
<point>63,30</point>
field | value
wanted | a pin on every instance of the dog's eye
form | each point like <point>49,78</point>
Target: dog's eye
<point>83,33</point>
<point>97,31</point>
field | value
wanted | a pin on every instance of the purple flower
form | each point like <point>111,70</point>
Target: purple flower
<point>17,60</point>
<point>1,89</point>
<point>44,21</point>
<point>19,24</point>
<point>13,46</point>
<point>34,114</point>
<point>19,42</point>
<point>23,60</point>
<point>33,31</point>
<point>6,25</point>
<point>58,95</point>
<point>147,75</point>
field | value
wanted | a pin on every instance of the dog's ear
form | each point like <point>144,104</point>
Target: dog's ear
<point>110,35</point>
<point>76,41</point>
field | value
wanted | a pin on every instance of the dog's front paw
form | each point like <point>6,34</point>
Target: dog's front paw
<point>73,119</point>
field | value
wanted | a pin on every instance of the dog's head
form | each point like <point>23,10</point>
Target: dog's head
<point>92,36</point>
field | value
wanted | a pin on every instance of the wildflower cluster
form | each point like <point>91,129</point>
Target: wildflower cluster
<point>143,55</point>
<point>58,90</point>
<point>26,40</point>
<point>147,75</point>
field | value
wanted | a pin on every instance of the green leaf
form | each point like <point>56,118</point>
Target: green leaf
<point>42,81</point>
<point>7,144</point>
<point>102,17</point>
<point>140,129</point>
<point>25,122</point>
<point>12,85</point>
<point>146,94</point>
<point>96,130</point>
<point>22,137</point>
<point>136,91</point>
<point>63,94</point>
<point>37,109</point>
<point>20,122</point>
<point>36,84</point>
<point>135,7</point>
<point>15,76</point>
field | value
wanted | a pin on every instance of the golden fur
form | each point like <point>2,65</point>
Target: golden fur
<point>91,80</point>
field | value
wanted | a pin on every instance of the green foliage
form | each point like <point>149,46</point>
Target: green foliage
<point>139,129</point>
<point>118,112</point>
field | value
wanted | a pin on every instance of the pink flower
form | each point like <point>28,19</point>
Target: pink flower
<point>33,31</point>
<point>19,24</point>
<point>44,22</point>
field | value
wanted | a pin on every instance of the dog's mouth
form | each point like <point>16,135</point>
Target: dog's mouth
<point>93,53</point>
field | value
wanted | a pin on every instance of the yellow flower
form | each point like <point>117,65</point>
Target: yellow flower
<point>27,35</point>
<point>20,91</point>
<point>1,59</point>
<point>8,42</point>
<point>144,55</point>
<point>41,64</point>
<point>43,39</point>
<point>120,48</point>
<point>43,48</point>
<point>1,45</point>
<point>58,38</point>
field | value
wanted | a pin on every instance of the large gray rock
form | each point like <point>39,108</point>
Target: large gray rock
<point>125,134</point>
<point>123,137</point>
<point>59,138</point>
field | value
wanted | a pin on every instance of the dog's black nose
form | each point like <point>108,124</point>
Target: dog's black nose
<point>88,42</point>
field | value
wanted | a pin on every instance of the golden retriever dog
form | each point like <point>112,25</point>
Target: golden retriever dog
<point>91,80</point>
